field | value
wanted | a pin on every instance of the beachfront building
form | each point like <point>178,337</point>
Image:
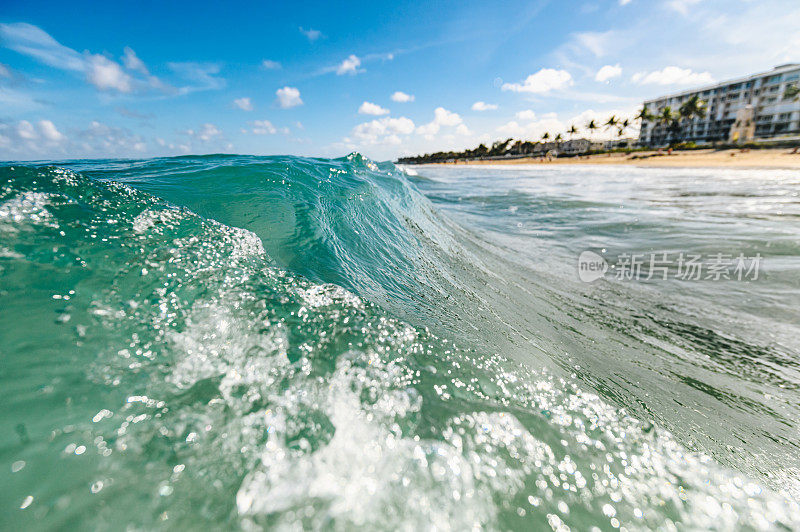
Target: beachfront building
<point>579,146</point>
<point>757,107</point>
<point>620,144</point>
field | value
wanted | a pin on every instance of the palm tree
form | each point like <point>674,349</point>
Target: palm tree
<point>667,119</point>
<point>691,108</point>
<point>611,122</point>
<point>592,127</point>
<point>545,136</point>
<point>791,92</point>
<point>644,114</point>
<point>572,131</point>
<point>694,107</point>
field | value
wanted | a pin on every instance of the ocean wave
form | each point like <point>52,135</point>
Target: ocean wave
<point>286,343</point>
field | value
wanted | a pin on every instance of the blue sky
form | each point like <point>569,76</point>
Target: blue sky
<point>118,79</point>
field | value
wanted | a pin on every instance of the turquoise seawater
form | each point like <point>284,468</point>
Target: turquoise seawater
<point>237,342</point>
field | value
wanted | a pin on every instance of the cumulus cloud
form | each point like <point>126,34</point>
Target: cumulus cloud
<point>44,140</point>
<point>49,131</point>
<point>382,131</point>
<point>526,115</point>
<point>268,64</point>
<point>608,72</point>
<point>27,140</point>
<point>26,131</point>
<point>263,127</point>
<point>311,34</point>
<point>243,103</point>
<point>100,138</point>
<point>369,108</point>
<point>402,97</point>
<point>205,133</point>
<point>349,66</point>
<point>672,75</point>
<point>483,106</point>
<point>529,127</point>
<point>441,118</point>
<point>543,81</point>
<point>288,97</point>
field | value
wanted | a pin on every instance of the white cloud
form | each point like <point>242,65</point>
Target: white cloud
<point>102,72</point>
<point>441,118</point>
<point>545,80</point>
<point>49,131</point>
<point>100,139</point>
<point>263,127</point>
<point>206,132</point>
<point>598,43</point>
<point>288,97</point>
<point>528,127</point>
<point>132,62</point>
<point>106,74</point>
<point>26,131</point>
<point>268,64</point>
<point>349,65</point>
<point>34,42</point>
<point>203,76</point>
<point>243,103</point>
<point>311,34</point>
<point>383,131</point>
<point>682,6</point>
<point>526,115</point>
<point>607,72</point>
<point>369,108</point>
<point>624,2</point>
<point>402,97</point>
<point>483,106</point>
<point>672,75</point>
<point>44,140</point>
<point>4,71</point>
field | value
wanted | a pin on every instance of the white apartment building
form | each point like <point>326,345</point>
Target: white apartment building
<point>733,108</point>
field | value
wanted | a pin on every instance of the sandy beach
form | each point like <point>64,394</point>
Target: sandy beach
<point>768,158</point>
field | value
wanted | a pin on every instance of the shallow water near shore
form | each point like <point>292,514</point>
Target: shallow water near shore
<point>284,342</point>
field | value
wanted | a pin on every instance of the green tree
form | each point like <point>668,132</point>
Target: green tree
<point>572,131</point>
<point>644,115</point>
<point>668,119</point>
<point>791,92</point>
<point>611,122</point>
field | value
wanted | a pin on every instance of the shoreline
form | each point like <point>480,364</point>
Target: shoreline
<point>782,158</point>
